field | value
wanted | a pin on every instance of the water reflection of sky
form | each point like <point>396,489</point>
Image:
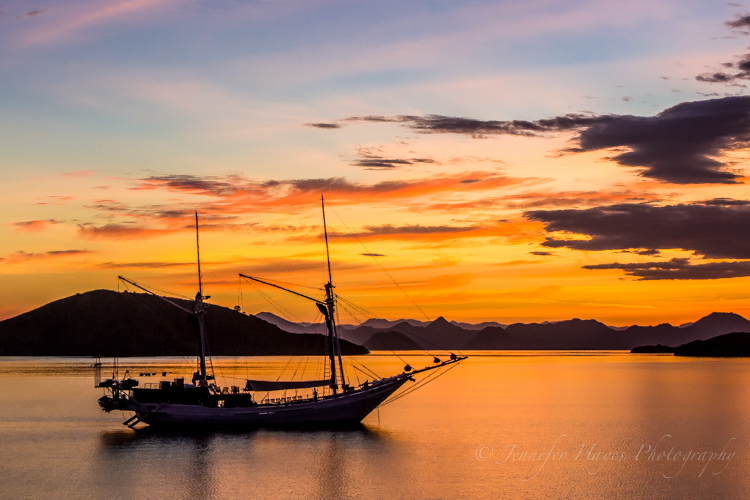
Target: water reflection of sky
<point>57,443</point>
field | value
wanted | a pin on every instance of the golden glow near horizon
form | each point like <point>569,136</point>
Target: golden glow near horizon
<point>108,147</point>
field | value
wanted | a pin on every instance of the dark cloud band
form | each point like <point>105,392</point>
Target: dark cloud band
<point>715,228</point>
<point>680,269</point>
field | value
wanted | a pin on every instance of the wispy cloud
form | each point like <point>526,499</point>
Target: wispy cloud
<point>79,173</point>
<point>374,160</point>
<point>120,232</point>
<point>36,225</point>
<point>22,256</point>
<point>144,265</point>
<point>742,67</point>
<point>439,124</point>
<point>72,19</point>
<point>406,230</point>
<point>520,231</point>
<point>323,125</point>
<point>54,200</point>
<point>235,194</point>
<point>542,199</point>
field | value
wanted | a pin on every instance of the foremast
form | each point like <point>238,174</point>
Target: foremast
<point>196,316</point>
<point>334,346</point>
<point>199,312</point>
<point>327,308</point>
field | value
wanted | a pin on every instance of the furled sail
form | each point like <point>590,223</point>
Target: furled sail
<point>267,385</point>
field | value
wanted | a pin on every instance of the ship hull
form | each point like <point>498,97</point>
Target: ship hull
<point>344,409</point>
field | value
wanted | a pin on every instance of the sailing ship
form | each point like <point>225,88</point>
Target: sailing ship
<point>202,403</point>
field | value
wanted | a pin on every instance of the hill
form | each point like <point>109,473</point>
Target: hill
<point>107,323</point>
<point>732,345</point>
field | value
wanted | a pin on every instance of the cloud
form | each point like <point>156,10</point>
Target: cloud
<point>439,124</point>
<point>22,256</point>
<point>373,254</point>
<point>679,269</point>
<point>542,253</point>
<point>37,225</point>
<point>73,19</point>
<point>68,252</point>
<point>713,228</point>
<point>54,200</point>
<point>119,232</point>
<point>518,231</point>
<point>540,199</point>
<point>323,125</point>
<point>408,229</point>
<point>224,202</point>
<point>718,77</point>
<point>79,173</point>
<point>371,161</point>
<point>144,265</point>
<point>679,145</point>
<point>739,22</point>
<point>36,12</point>
<point>235,194</point>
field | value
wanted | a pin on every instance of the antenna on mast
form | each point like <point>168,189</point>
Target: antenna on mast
<point>198,247</point>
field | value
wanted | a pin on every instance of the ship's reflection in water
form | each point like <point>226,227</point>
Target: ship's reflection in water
<point>314,463</point>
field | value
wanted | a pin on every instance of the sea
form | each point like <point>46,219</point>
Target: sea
<point>516,424</point>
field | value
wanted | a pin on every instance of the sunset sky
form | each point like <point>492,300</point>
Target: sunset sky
<point>507,161</point>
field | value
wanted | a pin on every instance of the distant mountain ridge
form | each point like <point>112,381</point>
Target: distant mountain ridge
<point>574,334</point>
<point>107,323</point>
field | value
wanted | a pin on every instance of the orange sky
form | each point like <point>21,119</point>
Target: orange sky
<point>109,145</point>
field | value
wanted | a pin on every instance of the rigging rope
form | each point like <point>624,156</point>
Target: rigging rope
<point>423,383</point>
<point>370,254</point>
<point>411,334</point>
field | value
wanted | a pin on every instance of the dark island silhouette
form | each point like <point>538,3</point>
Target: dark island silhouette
<point>729,345</point>
<point>654,349</point>
<point>108,323</point>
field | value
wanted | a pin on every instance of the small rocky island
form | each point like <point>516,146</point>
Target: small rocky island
<point>730,345</point>
<point>653,349</point>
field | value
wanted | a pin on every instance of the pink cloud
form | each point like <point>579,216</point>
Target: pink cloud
<point>73,19</point>
<point>54,200</point>
<point>79,173</point>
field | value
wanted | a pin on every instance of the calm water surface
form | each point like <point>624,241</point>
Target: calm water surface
<point>506,425</point>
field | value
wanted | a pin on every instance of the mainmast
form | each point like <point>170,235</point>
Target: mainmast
<point>199,312</point>
<point>333,338</point>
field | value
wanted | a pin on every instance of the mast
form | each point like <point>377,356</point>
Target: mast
<point>199,311</point>
<point>334,344</point>
<point>198,248</point>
